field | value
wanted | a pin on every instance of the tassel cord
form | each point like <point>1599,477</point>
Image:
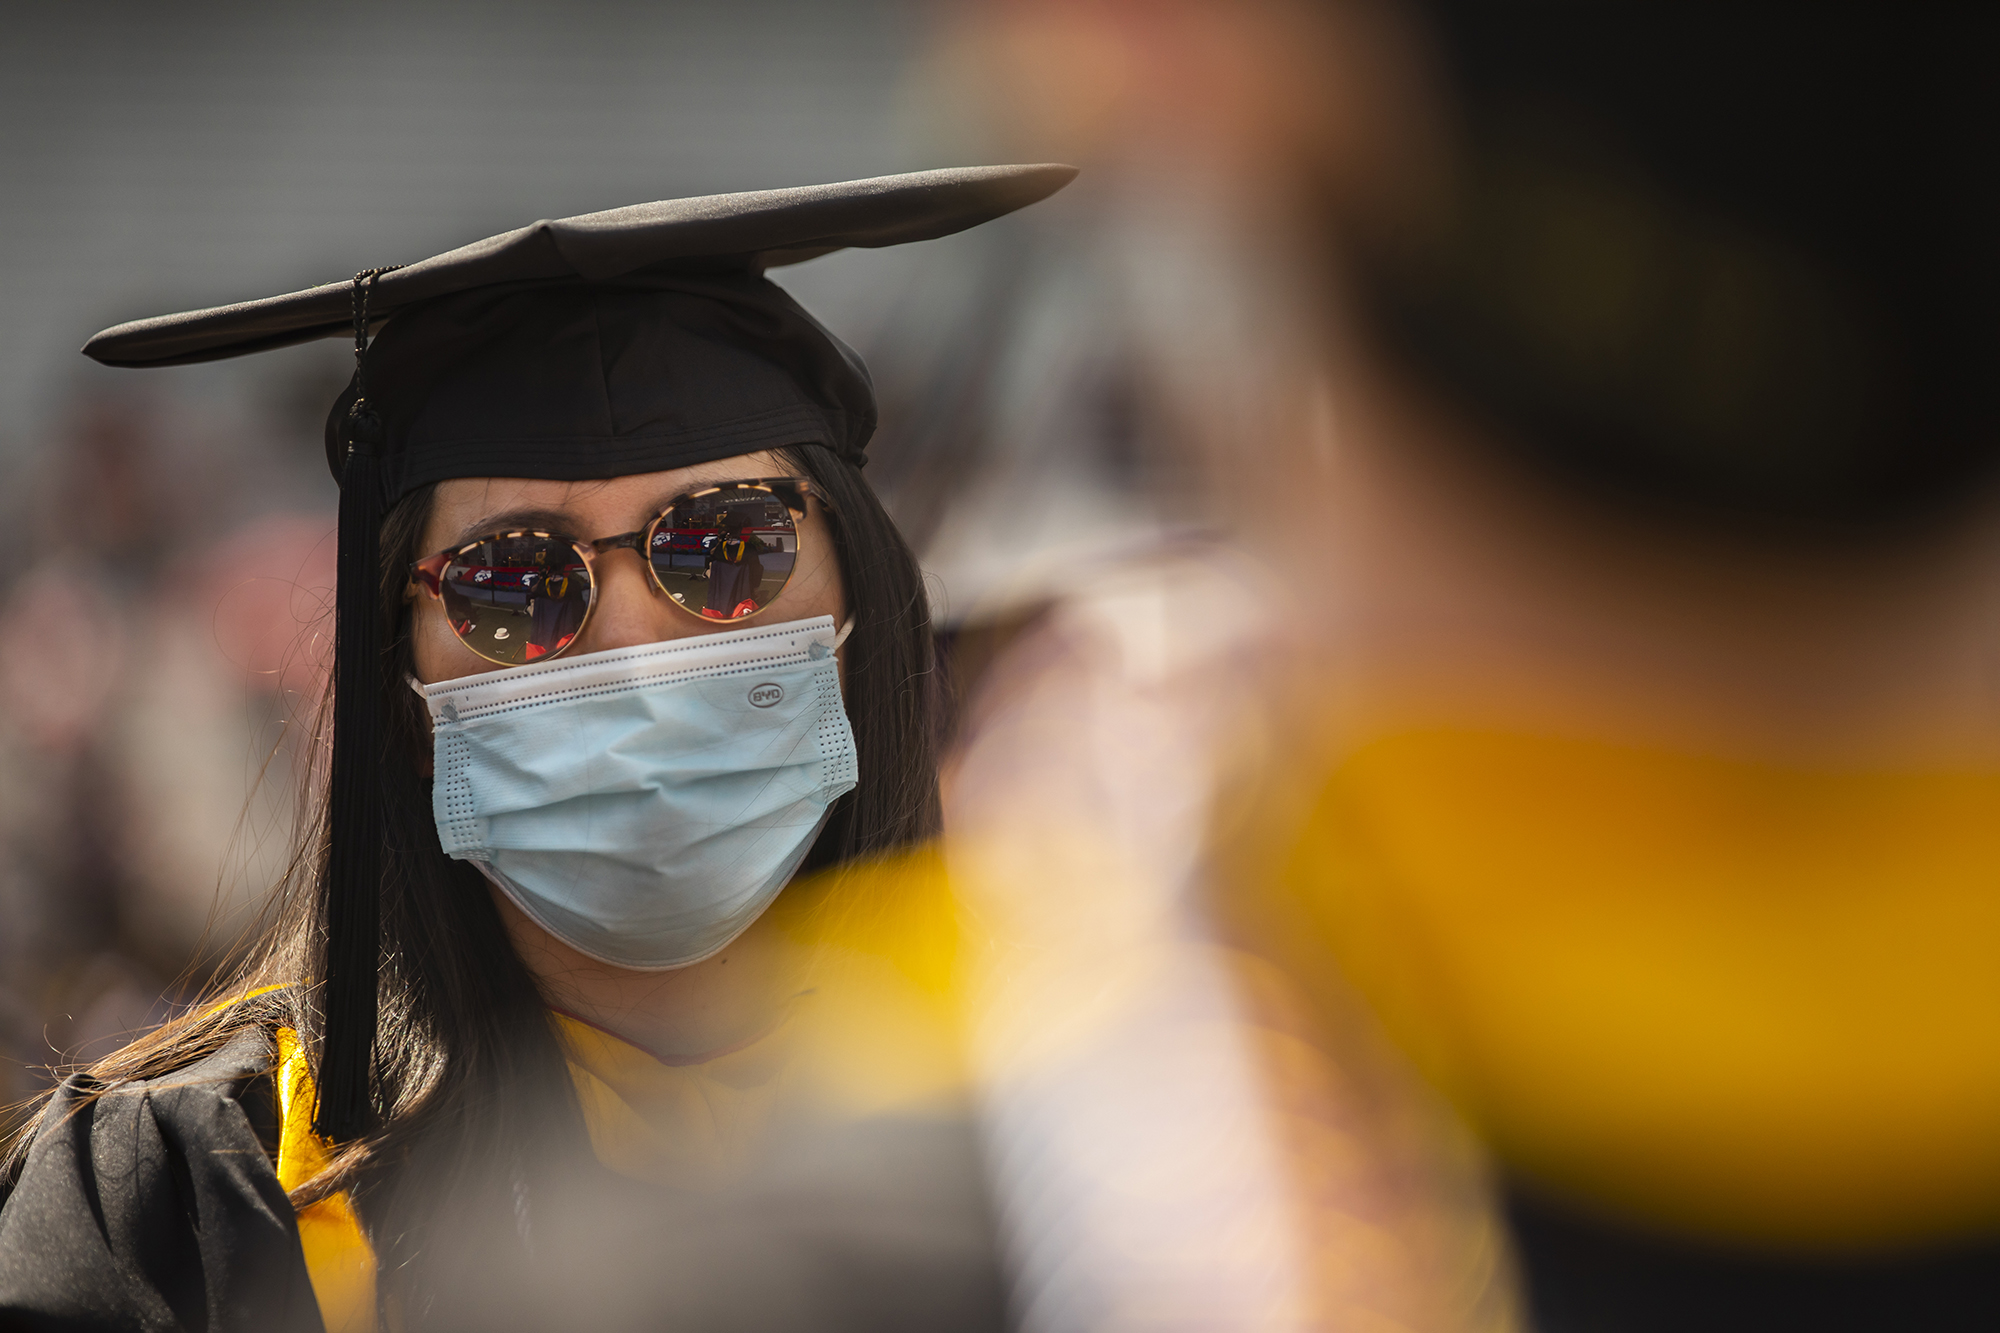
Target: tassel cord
<point>354,858</point>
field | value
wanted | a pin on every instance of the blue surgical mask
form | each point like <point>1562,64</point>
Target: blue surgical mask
<point>645,805</point>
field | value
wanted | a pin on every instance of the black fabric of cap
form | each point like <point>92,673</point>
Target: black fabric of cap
<point>636,340</point>
<point>575,380</point>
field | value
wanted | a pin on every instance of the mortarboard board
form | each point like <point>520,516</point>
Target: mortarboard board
<point>633,340</point>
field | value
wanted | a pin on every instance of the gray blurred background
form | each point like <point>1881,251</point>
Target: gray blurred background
<point>162,157</point>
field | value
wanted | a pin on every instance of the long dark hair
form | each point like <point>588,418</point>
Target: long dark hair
<point>470,1075</point>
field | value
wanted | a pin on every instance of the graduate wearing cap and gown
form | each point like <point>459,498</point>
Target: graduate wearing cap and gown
<point>445,1089</point>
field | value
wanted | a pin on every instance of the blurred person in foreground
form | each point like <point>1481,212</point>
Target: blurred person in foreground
<point>535,1033</point>
<point>1623,747</point>
<point>1657,664</point>
<point>1176,1142</point>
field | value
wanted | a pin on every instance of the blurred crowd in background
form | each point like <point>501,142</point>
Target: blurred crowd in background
<point>1528,755</point>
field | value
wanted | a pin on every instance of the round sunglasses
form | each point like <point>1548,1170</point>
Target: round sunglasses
<point>721,553</point>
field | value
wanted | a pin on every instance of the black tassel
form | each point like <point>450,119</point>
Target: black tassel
<point>354,862</point>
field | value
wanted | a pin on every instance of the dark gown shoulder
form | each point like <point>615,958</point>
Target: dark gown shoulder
<point>1586,1274</point>
<point>154,1205</point>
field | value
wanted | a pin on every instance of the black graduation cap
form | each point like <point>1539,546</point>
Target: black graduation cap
<point>634,340</point>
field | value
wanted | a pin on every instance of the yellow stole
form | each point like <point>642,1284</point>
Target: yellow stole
<point>338,1256</point>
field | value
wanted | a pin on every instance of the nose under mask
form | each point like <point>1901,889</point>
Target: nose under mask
<point>645,804</point>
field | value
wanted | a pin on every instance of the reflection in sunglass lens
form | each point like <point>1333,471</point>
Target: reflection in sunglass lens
<point>517,597</point>
<point>726,553</point>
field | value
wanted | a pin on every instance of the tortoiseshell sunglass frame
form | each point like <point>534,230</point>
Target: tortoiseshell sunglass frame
<point>427,574</point>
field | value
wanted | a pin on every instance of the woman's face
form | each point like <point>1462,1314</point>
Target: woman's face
<point>630,607</point>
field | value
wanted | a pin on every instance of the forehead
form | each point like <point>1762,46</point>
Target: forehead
<point>465,506</point>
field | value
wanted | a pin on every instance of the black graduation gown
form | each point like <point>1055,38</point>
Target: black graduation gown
<point>157,1207</point>
<point>1588,1275</point>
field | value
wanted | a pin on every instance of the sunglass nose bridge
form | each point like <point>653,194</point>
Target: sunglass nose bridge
<point>624,541</point>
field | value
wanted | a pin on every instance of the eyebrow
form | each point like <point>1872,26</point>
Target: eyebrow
<point>509,520</point>
<point>555,521</point>
<point>552,520</point>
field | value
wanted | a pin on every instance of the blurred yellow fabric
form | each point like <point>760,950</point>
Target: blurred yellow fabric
<point>872,1032</point>
<point>1754,1001</point>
